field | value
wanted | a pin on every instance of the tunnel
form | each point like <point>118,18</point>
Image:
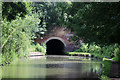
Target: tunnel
<point>55,47</point>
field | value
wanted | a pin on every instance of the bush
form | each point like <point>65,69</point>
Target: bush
<point>110,51</point>
<point>40,48</point>
<point>16,37</point>
<point>84,47</point>
<point>117,54</point>
<point>93,48</point>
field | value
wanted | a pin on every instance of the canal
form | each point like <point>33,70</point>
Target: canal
<point>52,66</point>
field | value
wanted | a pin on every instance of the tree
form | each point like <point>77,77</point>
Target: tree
<point>95,22</point>
<point>11,9</point>
<point>18,32</point>
<point>51,14</point>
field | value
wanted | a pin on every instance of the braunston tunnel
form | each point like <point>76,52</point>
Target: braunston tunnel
<point>58,41</point>
<point>55,46</point>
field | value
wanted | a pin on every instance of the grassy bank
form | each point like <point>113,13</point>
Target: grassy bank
<point>108,52</point>
<point>17,36</point>
<point>10,57</point>
<point>79,53</point>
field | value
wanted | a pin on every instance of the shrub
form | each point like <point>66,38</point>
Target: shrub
<point>17,35</point>
<point>93,48</point>
<point>117,54</point>
<point>40,48</point>
<point>84,47</point>
<point>109,50</point>
<point>104,51</point>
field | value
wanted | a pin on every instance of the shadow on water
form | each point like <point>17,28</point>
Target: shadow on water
<point>110,70</point>
<point>56,68</point>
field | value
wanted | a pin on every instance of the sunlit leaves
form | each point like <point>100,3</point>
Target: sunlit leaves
<point>17,35</point>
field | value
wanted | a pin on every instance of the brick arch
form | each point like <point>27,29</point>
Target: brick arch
<point>58,38</point>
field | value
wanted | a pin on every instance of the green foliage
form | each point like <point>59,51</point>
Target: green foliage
<point>20,26</point>
<point>110,51</point>
<point>84,47</point>
<point>106,66</point>
<point>17,35</point>
<point>11,9</point>
<point>93,48</point>
<point>104,77</point>
<point>51,14</point>
<point>94,22</point>
<point>117,54</point>
<point>40,48</point>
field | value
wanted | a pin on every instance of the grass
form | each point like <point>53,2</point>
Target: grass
<point>79,53</point>
<point>96,55</point>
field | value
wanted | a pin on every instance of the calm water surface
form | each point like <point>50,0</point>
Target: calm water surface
<point>52,66</point>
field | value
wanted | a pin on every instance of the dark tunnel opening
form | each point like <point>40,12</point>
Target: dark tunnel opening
<point>55,47</point>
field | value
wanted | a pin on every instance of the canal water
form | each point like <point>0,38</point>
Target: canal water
<point>52,66</point>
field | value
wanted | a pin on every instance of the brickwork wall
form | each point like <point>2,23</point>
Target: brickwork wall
<point>60,32</point>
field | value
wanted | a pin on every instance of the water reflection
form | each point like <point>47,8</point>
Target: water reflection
<point>0,73</point>
<point>53,67</point>
<point>110,70</point>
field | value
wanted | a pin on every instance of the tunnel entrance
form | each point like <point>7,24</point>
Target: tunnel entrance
<point>55,47</point>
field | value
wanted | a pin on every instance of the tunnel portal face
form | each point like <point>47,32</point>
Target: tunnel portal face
<point>55,47</point>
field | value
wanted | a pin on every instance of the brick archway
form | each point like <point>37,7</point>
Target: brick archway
<point>58,38</point>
